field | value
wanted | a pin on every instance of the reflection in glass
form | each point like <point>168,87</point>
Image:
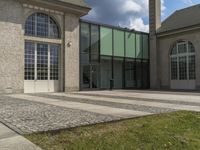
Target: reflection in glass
<point>118,72</point>
<point>106,71</point>
<point>130,73</point>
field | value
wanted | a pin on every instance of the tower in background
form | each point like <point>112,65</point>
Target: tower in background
<point>155,23</point>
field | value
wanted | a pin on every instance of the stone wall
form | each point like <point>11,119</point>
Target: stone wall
<point>13,15</point>
<point>72,55</point>
<point>11,47</point>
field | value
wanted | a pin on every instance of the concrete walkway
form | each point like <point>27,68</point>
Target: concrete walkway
<point>29,113</point>
<point>139,102</point>
<point>9,140</point>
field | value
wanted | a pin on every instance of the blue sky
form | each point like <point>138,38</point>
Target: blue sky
<point>132,14</point>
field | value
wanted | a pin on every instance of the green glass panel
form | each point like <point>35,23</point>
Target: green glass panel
<point>145,46</point>
<point>138,46</point>
<point>118,43</point>
<point>106,41</point>
<point>130,45</point>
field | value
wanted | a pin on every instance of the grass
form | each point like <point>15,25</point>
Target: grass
<point>172,131</point>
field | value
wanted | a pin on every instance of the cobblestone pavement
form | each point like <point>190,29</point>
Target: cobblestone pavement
<point>27,117</point>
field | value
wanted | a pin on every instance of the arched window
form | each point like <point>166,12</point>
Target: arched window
<point>41,25</point>
<point>183,61</point>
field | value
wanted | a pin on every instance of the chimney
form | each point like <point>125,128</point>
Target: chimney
<point>154,24</point>
<point>154,15</point>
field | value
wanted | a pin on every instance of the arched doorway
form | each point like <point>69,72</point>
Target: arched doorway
<point>182,63</point>
<point>41,72</point>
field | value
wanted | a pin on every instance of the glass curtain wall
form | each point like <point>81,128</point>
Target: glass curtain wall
<point>113,54</point>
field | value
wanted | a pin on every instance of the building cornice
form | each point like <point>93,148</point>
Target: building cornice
<point>55,7</point>
<point>178,31</point>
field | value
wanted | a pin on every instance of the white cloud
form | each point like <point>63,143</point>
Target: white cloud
<point>163,7</point>
<point>138,24</point>
<point>127,13</point>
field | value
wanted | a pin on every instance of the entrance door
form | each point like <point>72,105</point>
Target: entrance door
<point>41,67</point>
<point>90,77</point>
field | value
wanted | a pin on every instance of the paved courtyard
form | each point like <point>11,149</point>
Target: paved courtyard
<point>28,113</point>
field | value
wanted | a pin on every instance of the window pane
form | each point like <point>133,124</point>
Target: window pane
<point>182,48</point>
<point>139,73</point>
<point>42,25</point>
<point>95,76</point>
<point>138,46</point>
<point>94,43</point>
<point>29,71</point>
<point>130,73</point>
<point>85,43</point>
<point>174,50</point>
<point>30,25</point>
<point>190,48</point>
<point>54,31</point>
<point>54,62</point>
<point>145,72</point>
<point>118,43</point>
<point>42,61</point>
<point>191,61</point>
<point>106,41</point>
<point>174,69</point>
<point>183,68</point>
<point>86,76</point>
<point>130,45</point>
<point>118,73</point>
<point>106,72</point>
<point>145,47</point>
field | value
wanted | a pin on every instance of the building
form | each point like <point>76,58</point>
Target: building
<point>174,48</point>
<point>45,47</point>
<point>39,46</point>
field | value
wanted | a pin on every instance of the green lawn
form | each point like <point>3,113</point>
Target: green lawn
<point>176,131</point>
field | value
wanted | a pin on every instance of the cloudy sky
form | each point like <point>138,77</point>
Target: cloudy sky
<point>130,13</point>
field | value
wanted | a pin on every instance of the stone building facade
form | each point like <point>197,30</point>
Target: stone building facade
<point>13,17</point>
<point>174,48</point>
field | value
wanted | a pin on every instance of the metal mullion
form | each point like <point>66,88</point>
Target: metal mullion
<point>90,41</point>
<point>187,60</point>
<point>135,65</point>
<point>142,82</point>
<point>124,61</point>
<point>35,61</point>
<point>48,26</point>
<point>36,24</point>
<point>48,62</point>
<point>112,54</point>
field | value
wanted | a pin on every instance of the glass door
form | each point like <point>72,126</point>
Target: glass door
<point>90,77</point>
<point>41,67</point>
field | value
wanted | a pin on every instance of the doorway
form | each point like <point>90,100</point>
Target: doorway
<point>90,77</point>
<point>41,67</point>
